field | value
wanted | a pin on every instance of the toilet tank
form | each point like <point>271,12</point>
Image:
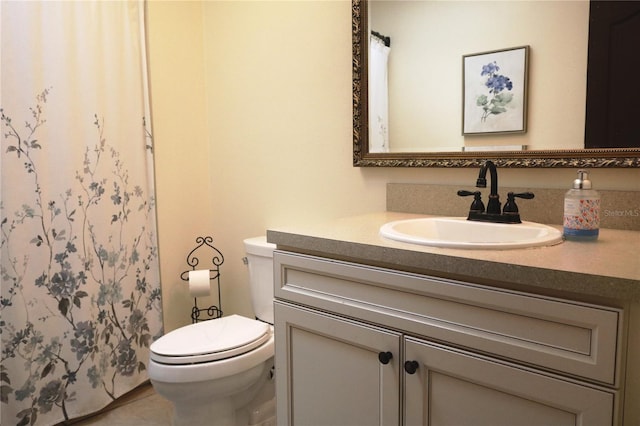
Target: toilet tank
<point>260,261</point>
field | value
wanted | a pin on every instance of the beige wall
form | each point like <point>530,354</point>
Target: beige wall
<point>252,128</point>
<point>181,145</point>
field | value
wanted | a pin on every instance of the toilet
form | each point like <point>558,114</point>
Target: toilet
<point>220,372</point>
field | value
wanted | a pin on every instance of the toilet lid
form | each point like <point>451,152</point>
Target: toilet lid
<point>210,340</point>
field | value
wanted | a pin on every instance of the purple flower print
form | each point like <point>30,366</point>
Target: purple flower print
<point>496,83</point>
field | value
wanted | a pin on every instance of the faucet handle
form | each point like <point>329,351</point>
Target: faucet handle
<point>477,206</point>
<point>510,207</point>
<point>525,195</point>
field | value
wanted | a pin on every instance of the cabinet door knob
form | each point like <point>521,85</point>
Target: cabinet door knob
<point>411,366</point>
<point>385,357</point>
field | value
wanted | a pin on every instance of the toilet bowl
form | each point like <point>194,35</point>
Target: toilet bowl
<point>220,372</point>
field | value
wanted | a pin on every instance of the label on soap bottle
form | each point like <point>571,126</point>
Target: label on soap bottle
<point>581,217</point>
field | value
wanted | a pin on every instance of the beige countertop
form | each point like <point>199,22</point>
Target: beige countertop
<point>608,268</point>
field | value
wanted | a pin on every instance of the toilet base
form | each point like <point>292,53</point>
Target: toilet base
<point>261,410</point>
<point>264,415</point>
<point>219,412</point>
<point>251,404</point>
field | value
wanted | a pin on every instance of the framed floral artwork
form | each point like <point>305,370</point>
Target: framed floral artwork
<point>494,91</point>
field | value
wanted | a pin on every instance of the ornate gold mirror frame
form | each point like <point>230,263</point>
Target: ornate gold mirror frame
<point>611,157</point>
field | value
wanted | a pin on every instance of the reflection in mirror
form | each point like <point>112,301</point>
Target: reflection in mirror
<point>419,122</point>
<point>613,86</point>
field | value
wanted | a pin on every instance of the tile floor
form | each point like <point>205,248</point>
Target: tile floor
<point>140,407</point>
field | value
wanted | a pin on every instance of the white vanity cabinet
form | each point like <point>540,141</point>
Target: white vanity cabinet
<point>451,387</point>
<point>335,376</point>
<point>359,345</point>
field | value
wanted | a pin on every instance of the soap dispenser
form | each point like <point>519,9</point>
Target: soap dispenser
<point>581,210</point>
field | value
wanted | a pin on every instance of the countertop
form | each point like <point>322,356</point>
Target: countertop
<point>609,267</point>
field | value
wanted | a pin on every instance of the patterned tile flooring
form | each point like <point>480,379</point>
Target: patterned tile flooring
<point>140,407</point>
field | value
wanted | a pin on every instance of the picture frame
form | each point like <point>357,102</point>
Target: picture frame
<point>494,91</point>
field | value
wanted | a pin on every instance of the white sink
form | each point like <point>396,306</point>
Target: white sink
<point>458,232</point>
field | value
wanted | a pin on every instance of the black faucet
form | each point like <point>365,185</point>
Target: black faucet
<point>493,206</point>
<point>493,212</point>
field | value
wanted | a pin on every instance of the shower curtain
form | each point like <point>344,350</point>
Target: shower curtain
<point>80,296</point>
<point>378,95</point>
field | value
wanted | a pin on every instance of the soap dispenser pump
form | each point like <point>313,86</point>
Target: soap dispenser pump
<point>581,210</point>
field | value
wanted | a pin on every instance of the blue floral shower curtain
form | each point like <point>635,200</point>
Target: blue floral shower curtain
<point>80,297</point>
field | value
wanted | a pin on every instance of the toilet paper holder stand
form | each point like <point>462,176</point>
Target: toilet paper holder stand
<point>204,244</point>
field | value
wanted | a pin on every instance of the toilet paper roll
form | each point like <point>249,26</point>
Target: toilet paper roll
<point>199,283</point>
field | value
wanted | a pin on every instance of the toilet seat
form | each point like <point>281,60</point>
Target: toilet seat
<point>209,341</point>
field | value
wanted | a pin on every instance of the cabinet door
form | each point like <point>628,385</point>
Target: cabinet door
<point>451,387</point>
<point>328,370</point>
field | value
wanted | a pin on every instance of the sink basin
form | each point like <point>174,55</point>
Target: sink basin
<point>458,232</point>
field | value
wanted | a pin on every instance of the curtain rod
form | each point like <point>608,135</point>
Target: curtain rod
<point>385,39</point>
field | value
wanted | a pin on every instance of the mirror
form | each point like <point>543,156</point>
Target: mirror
<point>499,148</point>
